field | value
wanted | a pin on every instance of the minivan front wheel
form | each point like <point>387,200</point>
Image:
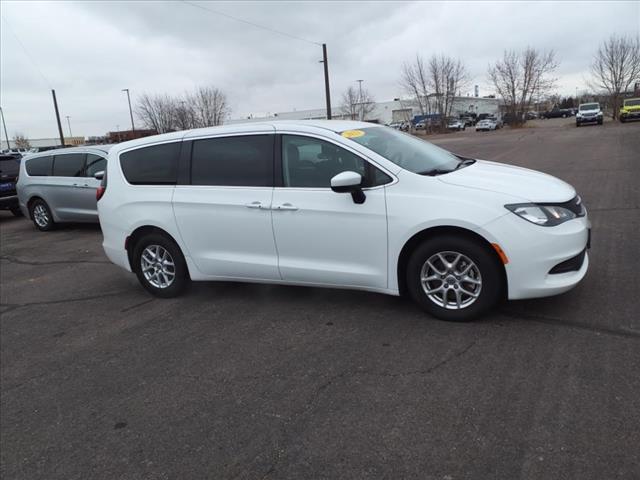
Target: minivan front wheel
<point>41,215</point>
<point>160,265</point>
<point>454,278</point>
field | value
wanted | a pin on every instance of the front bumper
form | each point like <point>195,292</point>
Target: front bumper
<point>630,115</point>
<point>589,119</point>
<point>533,251</point>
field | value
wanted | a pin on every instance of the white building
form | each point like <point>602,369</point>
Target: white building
<point>384,112</point>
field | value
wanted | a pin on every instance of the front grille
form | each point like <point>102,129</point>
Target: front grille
<point>572,265</point>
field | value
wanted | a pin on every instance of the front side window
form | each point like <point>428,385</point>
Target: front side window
<point>240,161</point>
<point>152,165</point>
<point>39,167</point>
<point>404,150</point>
<point>311,163</point>
<point>68,165</point>
<point>95,164</point>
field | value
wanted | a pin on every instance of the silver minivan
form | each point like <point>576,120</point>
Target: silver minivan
<point>59,185</point>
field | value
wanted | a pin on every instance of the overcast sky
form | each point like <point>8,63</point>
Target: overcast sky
<point>89,51</point>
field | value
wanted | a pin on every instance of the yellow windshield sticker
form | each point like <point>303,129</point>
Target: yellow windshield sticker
<point>352,133</point>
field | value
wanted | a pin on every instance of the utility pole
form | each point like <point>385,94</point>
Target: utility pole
<point>133,128</point>
<point>6,135</point>
<point>55,105</point>
<point>360,99</point>
<point>326,80</point>
<point>69,123</point>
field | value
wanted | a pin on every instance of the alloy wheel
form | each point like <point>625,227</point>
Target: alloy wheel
<point>158,266</point>
<point>451,280</point>
<point>41,216</point>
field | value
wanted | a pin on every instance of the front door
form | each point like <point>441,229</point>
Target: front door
<point>324,237</point>
<point>224,214</point>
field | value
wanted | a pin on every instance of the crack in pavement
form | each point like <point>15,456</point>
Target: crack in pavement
<point>620,331</point>
<point>13,306</point>
<point>19,261</point>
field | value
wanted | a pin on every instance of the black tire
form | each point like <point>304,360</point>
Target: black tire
<point>16,211</point>
<point>43,222</point>
<point>181,273</point>
<point>600,122</point>
<point>577,124</point>
<point>491,274</point>
<point>622,120</point>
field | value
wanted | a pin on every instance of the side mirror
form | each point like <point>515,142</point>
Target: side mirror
<point>99,175</point>
<point>349,182</point>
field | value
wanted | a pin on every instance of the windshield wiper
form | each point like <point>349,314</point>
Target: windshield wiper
<point>434,171</point>
<point>465,162</point>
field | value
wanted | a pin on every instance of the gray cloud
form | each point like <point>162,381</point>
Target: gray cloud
<point>89,51</point>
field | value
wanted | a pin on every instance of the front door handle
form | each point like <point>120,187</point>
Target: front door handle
<point>254,205</point>
<point>286,206</point>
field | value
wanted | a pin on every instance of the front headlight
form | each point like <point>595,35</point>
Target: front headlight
<point>544,215</point>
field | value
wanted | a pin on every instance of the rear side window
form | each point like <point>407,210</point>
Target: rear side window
<point>233,161</point>
<point>68,165</point>
<point>154,165</point>
<point>95,163</point>
<point>39,167</point>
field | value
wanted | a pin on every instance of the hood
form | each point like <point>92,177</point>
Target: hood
<point>631,108</point>
<point>518,182</point>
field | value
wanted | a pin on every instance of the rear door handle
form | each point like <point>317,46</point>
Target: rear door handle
<point>286,206</point>
<point>254,205</point>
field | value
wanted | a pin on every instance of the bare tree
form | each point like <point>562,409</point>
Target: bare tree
<point>433,84</point>
<point>447,76</point>
<point>616,67</point>
<point>21,141</point>
<point>414,81</point>
<point>157,112</point>
<point>209,106</point>
<point>205,107</point>
<point>519,77</point>
<point>357,104</point>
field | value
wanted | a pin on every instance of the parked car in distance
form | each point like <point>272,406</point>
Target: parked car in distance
<point>402,126</point>
<point>589,113</point>
<point>456,124</point>
<point>630,109</point>
<point>468,119</point>
<point>421,125</point>
<point>60,186</point>
<point>339,204</point>
<point>557,113</point>
<point>531,115</point>
<point>485,125</point>
<point>9,170</point>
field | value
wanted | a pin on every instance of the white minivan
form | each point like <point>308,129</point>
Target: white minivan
<point>339,204</point>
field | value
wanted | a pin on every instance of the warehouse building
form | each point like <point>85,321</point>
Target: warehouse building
<point>397,110</point>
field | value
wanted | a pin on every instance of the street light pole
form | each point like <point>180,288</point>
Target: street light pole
<point>69,123</point>
<point>360,99</point>
<point>6,135</point>
<point>133,128</point>
<point>327,94</point>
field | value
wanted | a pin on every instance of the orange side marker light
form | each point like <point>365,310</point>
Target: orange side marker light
<point>500,252</point>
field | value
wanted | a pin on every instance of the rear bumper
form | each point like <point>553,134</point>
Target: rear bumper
<point>9,202</point>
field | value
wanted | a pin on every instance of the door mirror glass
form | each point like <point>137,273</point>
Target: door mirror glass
<point>349,182</point>
<point>99,175</point>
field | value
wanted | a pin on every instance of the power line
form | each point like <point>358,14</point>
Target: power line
<point>272,30</point>
<point>26,52</point>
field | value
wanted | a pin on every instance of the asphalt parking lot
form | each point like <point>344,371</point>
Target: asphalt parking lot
<point>100,380</point>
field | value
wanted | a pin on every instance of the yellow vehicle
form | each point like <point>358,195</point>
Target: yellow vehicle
<point>630,109</point>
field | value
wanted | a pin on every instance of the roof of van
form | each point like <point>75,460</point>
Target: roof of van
<point>82,149</point>
<point>268,126</point>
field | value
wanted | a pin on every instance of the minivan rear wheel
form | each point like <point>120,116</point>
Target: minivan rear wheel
<point>41,215</point>
<point>160,265</point>
<point>454,278</point>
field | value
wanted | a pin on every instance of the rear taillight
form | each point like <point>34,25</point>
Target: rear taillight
<point>100,192</point>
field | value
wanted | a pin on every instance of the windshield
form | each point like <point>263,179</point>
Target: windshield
<point>404,150</point>
<point>589,106</point>
<point>632,103</point>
